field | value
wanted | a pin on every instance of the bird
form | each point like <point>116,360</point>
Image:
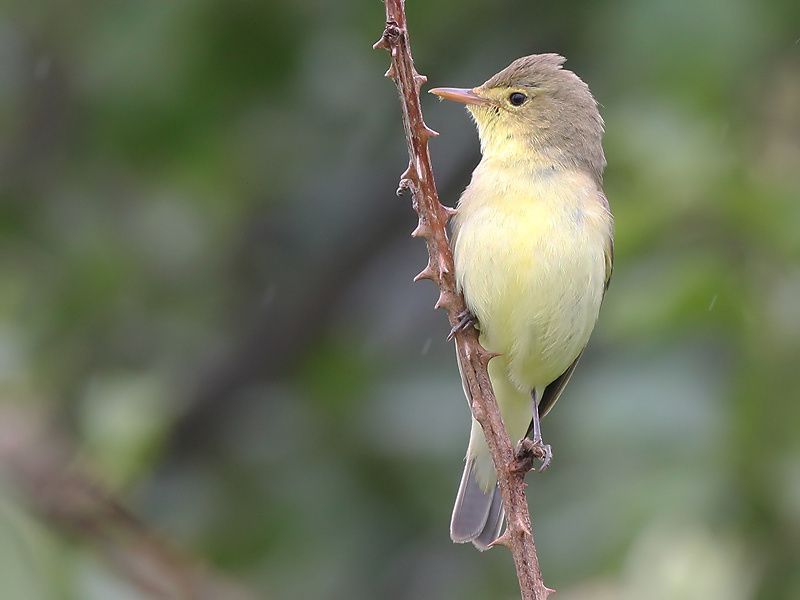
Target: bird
<point>533,248</point>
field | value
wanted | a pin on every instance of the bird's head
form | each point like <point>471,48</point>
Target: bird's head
<point>535,111</point>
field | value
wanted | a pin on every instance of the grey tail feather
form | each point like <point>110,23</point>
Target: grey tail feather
<point>477,515</point>
<point>494,522</point>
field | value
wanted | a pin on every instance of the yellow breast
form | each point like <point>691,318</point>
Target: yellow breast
<point>529,255</point>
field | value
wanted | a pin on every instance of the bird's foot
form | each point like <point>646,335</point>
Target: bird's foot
<point>529,451</point>
<point>531,447</point>
<point>465,319</point>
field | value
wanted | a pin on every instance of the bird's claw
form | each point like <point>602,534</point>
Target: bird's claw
<point>544,452</point>
<point>529,451</point>
<point>465,319</point>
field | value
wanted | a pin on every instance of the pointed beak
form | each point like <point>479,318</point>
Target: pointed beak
<point>462,95</point>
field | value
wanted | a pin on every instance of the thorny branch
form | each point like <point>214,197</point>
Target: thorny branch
<point>511,466</point>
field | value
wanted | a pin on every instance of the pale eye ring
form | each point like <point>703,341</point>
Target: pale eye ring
<point>517,98</point>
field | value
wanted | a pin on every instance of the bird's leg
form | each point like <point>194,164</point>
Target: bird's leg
<point>465,319</point>
<point>543,451</point>
<point>532,446</point>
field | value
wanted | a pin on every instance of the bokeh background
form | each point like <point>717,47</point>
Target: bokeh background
<point>206,308</point>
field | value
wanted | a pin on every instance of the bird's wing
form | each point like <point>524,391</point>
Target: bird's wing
<point>553,391</point>
<point>609,256</point>
<point>609,249</point>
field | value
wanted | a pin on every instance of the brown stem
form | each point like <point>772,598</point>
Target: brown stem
<point>474,359</point>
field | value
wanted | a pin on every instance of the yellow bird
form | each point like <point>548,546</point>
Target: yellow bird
<point>533,250</point>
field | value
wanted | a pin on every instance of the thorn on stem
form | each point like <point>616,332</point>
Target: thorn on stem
<point>448,212</point>
<point>522,527</point>
<point>426,273</point>
<point>410,172</point>
<point>421,230</point>
<point>485,356</point>
<point>444,300</point>
<point>429,133</point>
<point>503,540</point>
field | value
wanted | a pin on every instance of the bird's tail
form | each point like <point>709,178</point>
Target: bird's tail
<point>478,515</point>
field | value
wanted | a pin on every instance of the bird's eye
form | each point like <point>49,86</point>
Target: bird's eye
<point>517,98</point>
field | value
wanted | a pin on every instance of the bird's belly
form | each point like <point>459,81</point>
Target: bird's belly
<point>534,278</point>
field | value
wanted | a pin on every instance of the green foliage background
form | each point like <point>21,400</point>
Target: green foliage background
<point>205,279</point>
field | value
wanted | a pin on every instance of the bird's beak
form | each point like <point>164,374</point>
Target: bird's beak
<point>462,95</point>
